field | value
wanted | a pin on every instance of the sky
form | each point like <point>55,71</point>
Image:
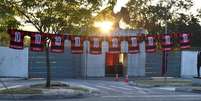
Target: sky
<point>196,5</point>
<point>122,3</point>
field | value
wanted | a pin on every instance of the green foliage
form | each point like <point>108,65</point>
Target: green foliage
<point>57,16</point>
<point>7,20</point>
<point>152,17</point>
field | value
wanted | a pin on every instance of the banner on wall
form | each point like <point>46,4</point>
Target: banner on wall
<point>184,40</point>
<point>57,43</point>
<point>37,42</point>
<point>76,44</point>
<point>95,45</point>
<point>114,44</point>
<point>16,39</point>
<point>166,42</point>
<point>150,43</point>
<point>133,44</point>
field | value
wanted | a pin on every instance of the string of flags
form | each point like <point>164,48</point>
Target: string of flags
<point>38,41</point>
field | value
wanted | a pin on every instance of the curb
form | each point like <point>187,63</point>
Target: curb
<point>12,79</point>
<point>187,89</point>
<point>41,96</point>
<point>183,89</point>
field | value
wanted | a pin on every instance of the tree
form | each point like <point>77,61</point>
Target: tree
<point>7,20</point>
<point>55,16</point>
<point>153,17</point>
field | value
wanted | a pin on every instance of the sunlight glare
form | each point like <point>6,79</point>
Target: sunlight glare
<point>104,26</point>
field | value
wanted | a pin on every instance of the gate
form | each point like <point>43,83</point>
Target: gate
<point>63,65</point>
<point>154,60</point>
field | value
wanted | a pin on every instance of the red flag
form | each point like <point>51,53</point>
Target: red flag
<point>184,41</point>
<point>57,43</point>
<point>95,45</point>
<point>166,42</point>
<point>76,44</point>
<point>133,45</point>
<point>17,39</point>
<point>37,42</point>
<point>150,43</point>
<point>114,45</point>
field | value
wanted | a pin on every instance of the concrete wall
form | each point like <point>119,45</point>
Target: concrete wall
<point>96,67</point>
<point>93,65</point>
<point>136,62</point>
<point>96,63</point>
<point>13,63</point>
<point>189,64</point>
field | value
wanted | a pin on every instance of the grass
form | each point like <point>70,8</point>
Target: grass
<point>21,91</point>
<point>38,89</point>
<point>79,89</point>
<point>163,82</point>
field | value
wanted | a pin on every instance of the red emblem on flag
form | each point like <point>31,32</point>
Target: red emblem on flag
<point>76,44</point>
<point>37,42</point>
<point>150,43</point>
<point>95,45</point>
<point>114,45</point>
<point>17,39</point>
<point>166,42</point>
<point>57,43</point>
<point>184,41</point>
<point>133,45</point>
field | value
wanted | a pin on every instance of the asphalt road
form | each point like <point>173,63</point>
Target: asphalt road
<point>118,91</point>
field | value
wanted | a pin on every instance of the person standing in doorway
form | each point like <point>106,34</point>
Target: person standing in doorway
<point>198,64</point>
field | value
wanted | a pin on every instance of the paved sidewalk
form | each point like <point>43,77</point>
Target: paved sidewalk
<point>105,87</point>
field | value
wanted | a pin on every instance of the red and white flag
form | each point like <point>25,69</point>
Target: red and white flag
<point>17,39</point>
<point>133,45</point>
<point>57,43</point>
<point>184,41</point>
<point>150,43</point>
<point>114,45</point>
<point>76,44</point>
<point>37,42</point>
<point>95,45</point>
<point>166,42</point>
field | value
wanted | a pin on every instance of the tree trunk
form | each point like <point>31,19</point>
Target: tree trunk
<point>48,79</point>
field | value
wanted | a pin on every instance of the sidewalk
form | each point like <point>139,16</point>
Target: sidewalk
<point>50,94</point>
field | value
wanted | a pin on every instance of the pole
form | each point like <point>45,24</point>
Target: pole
<point>48,79</point>
<point>86,60</point>
<point>164,60</point>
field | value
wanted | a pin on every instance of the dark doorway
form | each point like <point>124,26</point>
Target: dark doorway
<point>114,64</point>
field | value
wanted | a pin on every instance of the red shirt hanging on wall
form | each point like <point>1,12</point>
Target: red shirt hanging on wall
<point>57,43</point>
<point>76,44</point>
<point>150,43</point>
<point>133,44</point>
<point>184,41</point>
<point>114,44</point>
<point>166,42</point>
<point>17,39</point>
<point>95,45</point>
<point>37,42</point>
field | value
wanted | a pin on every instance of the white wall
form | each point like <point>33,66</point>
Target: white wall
<point>13,63</point>
<point>96,67</point>
<point>96,63</point>
<point>188,64</point>
<point>136,62</point>
<point>93,65</point>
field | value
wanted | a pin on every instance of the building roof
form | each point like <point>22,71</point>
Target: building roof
<point>128,32</point>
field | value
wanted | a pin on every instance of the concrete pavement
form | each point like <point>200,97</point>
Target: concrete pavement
<point>116,91</point>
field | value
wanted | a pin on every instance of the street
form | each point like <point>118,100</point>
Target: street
<point>117,91</point>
